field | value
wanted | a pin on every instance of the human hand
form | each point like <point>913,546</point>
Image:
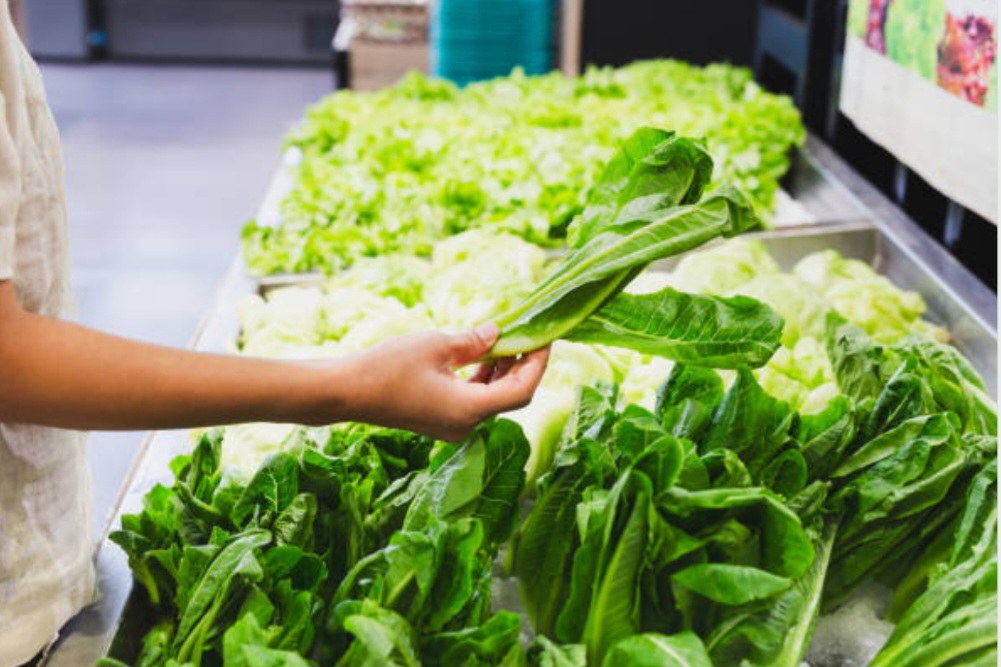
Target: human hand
<point>410,382</point>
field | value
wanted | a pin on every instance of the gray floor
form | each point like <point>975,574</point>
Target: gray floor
<point>163,167</point>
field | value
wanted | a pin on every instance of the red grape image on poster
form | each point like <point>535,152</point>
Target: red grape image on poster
<point>920,79</point>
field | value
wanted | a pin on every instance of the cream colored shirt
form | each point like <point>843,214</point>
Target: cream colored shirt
<point>46,570</point>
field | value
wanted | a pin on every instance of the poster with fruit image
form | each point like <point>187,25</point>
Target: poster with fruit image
<point>920,79</point>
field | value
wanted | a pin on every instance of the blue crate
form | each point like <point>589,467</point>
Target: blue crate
<point>473,40</point>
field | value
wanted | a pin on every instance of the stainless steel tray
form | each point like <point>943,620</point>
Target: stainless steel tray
<point>882,236</point>
<point>911,261</point>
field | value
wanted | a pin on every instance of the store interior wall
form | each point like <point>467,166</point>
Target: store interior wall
<point>290,32</point>
<point>616,32</point>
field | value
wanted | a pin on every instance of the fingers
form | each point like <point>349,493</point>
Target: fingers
<point>491,372</point>
<point>430,398</point>
<point>484,373</point>
<point>473,345</point>
<point>514,387</point>
<point>534,365</point>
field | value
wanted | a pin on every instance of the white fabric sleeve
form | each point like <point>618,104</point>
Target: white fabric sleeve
<point>10,193</point>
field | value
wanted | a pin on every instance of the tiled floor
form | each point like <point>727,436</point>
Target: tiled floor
<point>163,166</point>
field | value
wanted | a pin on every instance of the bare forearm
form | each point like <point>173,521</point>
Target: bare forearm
<point>55,373</point>
<point>60,374</point>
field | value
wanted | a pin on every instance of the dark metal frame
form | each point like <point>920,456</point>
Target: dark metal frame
<point>799,52</point>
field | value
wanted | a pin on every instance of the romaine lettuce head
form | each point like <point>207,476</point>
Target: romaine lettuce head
<point>479,274</point>
<point>400,276</point>
<point>865,298</point>
<point>571,366</point>
<point>289,315</point>
<point>725,268</point>
<point>800,305</point>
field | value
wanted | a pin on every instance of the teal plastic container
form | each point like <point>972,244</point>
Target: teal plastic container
<point>473,40</point>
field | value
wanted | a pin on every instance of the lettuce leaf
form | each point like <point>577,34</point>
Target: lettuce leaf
<point>647,205</point>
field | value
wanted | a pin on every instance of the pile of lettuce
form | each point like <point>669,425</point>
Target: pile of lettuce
<point>716,528</point>
<point>780,460</point>
<point>401,169</point>
<point>386,296</point>
<point>820,282</point>
<point>648,203</point>
<point>357,547</point>
<point>710,531</point>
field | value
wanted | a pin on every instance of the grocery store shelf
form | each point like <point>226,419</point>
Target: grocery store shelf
<point>954,295</point>
<point>264,31</point>
<point>858,222</point>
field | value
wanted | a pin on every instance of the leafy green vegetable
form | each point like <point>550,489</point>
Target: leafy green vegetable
<point>751,424</point>
<point>544,653</point>
<point>382,637</point>
<point>955,620</point>
<point>544,544</point>
<point>777,632</point>
<point>862,296</point>
<point>399,170</point>
<point>254,556</point>
<point>710,331</point>
<point>614,599</point>
<point>730,584</point>
<point>615,543</point>
<point>245,644</point>
<point>489,644</point>
<point>647,205</point>
<point>924,428</point>
<point>484,480</point>
<point>653,650</point>
<point>235,561</point>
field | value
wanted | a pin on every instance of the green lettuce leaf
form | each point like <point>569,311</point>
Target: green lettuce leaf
<point>684,649</point>
<point>646,206</point>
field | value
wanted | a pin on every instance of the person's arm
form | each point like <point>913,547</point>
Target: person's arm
<point>55,373</point>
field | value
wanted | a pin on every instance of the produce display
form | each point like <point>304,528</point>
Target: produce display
<point>717,457</point>
<point>399,170</point>
<point>710,530</point>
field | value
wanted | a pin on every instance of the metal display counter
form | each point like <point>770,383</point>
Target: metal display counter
<point>863,225</point>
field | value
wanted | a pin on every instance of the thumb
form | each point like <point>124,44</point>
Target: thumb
<point>473,345</point>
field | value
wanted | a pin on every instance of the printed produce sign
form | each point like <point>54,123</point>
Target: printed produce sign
<point>920,78</point>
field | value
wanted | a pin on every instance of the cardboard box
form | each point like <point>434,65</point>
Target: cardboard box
<point>376,65</point>
<point>384,40</point>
